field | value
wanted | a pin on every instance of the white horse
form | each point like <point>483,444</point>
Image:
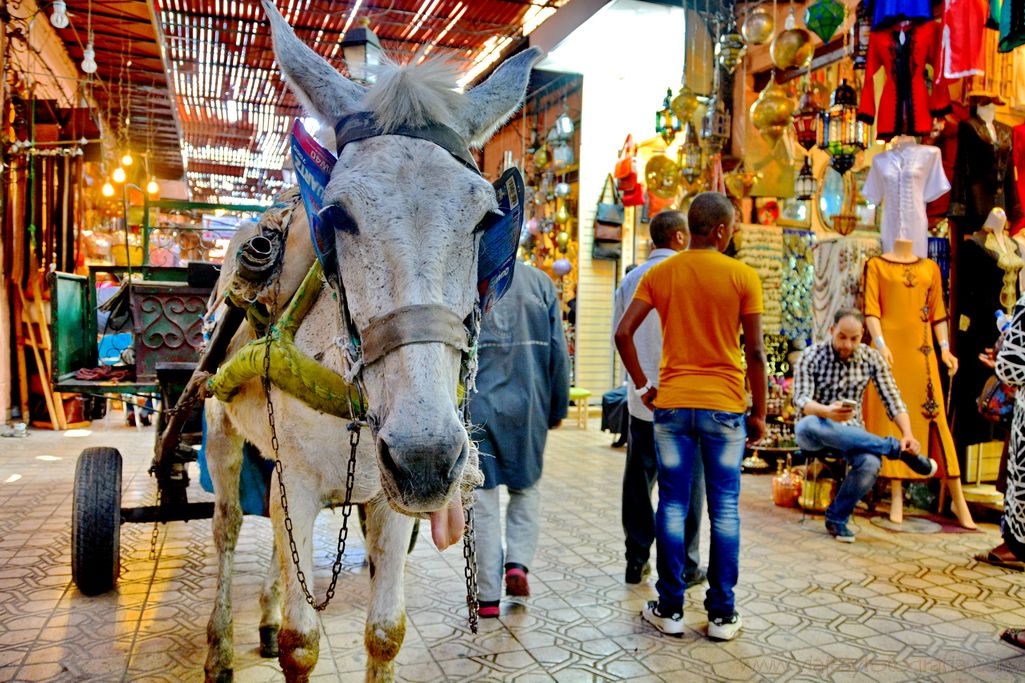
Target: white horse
<point>410,242</point>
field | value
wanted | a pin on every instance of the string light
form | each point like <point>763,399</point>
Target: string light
<point>152,187</point>
<point>127,159</point>
<point>59,18</point>
<point>119,175</point>
<point>107,190</point>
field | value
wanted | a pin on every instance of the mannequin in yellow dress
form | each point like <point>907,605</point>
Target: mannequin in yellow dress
<point>914,289</point>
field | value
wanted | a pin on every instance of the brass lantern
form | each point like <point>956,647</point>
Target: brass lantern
<point>806,121</point>
<point>666,123</point>
<point>841,134</point>
<point>730,48</point>
<point>685,104</point>
<point>792,47</point>
<point>772,111</point>
<point>715,127</point>
<point>805,184</point>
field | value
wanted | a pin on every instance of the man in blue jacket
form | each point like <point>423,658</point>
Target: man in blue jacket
<point>522,392</point>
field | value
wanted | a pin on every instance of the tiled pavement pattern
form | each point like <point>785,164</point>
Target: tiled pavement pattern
<point>891,607</point>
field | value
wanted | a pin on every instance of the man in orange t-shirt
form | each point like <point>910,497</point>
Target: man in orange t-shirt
<point>704,299</point>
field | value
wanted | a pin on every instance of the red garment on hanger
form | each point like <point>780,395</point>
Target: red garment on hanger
<point>962,36</point>
<point>906,107</point>
<point>1018,151</point>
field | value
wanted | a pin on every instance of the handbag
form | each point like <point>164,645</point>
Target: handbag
<point>634,196</point>
<point>608,216</point>
<point>625,163</point>
<point>996,402</point>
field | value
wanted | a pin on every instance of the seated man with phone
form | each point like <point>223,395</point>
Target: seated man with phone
<point>829,382</point>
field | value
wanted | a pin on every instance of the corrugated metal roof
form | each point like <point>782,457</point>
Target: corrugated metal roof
<point>228,98</point>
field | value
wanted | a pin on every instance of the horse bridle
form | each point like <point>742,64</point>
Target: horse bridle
<point>416,324</point>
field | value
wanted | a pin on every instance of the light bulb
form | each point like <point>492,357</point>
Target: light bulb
<point>107,189</point>
<point>119,175</point>
<point>127,159</point>
<point>89,59</point>
<point>152,187</point>
<point>59,18</point>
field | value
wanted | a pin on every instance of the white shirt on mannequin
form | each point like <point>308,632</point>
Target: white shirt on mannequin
<point>905,178</point>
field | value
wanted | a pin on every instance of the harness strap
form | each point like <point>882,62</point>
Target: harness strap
<point>362,126</point>
<point>413,325</point>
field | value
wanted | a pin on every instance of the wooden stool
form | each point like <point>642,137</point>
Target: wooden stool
<point>579,397</point>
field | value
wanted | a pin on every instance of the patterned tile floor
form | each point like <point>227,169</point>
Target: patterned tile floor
<point>891,607</point>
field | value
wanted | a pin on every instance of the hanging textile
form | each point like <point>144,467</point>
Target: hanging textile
<point>839,264</point>
<point>964,23</point>
<point>761,247</point>
<point>939,251</point>
<point>798,282</point>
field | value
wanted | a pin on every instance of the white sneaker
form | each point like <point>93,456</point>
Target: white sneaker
<point>670,625</point>
<point>724,628</point>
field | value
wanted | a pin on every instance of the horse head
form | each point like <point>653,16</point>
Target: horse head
<point>406,211</point>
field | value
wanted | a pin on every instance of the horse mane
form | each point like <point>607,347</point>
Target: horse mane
<point>414,94</point>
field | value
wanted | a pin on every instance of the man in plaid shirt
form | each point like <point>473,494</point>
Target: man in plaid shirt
<point>829,383</point>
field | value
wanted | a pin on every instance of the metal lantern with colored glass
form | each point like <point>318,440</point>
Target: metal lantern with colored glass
<point>841,134</point>
<point>715,126</point>
<point>667,124</point>
<point>806,121</point>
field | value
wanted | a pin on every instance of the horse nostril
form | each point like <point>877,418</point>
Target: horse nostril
<point>387,460</point>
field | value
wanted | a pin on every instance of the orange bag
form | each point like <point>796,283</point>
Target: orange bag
<point>625,163</point>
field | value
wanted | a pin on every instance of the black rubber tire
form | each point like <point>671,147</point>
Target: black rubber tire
<point>96,521</point>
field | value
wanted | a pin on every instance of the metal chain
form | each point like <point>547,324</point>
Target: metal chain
<point>156,531</point>
<point>354,429</point>
<point>470,570</point>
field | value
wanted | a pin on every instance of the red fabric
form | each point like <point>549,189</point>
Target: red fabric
<point>962,37</point>
<point>1018,150</point>
<point>882,48</point>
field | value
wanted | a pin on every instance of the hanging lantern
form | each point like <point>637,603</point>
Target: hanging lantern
<point>667,124</point>
<point>562,267</point>
<point>806,121</point>
<point>564,126</point>
<point>685,104</point>
<point>662,176</point>
<point>89,58</point>
<point>805,184</point>
<point>730,48</point>
<point>861,29</point>
<point>792,48</point>
<point>758,26</point>
<point>562,215</point>
<point>562,156</point>
<point>739,182</point>
<point>689,155</point>
<point>715,127</point>
<point>562,239</point>
<point>771,113</point>
<point>841,134</point>
<point>824,17</point>
<point>562,189</point>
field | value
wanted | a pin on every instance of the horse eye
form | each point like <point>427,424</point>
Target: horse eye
<point>338,219</point>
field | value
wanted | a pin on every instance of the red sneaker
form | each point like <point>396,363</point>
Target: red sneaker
<point>516,582</point>
<point>487,610</point>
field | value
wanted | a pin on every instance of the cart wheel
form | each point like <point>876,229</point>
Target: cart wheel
<point>96,521</point>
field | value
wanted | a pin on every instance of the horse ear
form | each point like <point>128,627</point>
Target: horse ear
<point>327,94</point>
<point>492,102</point>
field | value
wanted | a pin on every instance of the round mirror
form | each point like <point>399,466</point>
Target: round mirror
<point>829,198</point>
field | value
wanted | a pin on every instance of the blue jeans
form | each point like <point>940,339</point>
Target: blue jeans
<point>862,449</point>
<point>717,438</point>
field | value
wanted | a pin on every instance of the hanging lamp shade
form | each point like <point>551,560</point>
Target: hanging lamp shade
<point>662,176</point>
<point>841,134</point>
<point>715,127</point>
<point>860,32</point>
<point>771,113</point>
<point>689,156</point>
<point>685,104</point>
<point>792,47</point>
<point>823,18</point>
<point>361,48</point>
<point>758,26</point>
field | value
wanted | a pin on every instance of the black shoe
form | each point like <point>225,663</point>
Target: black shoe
<point>636,571</point>
<point>840,531</point>
<point>919,464</point>
<point>695,578</point>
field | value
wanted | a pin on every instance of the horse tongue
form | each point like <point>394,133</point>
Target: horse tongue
<point>447,524</point>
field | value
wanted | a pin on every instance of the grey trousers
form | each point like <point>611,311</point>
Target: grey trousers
<point>522,527</point>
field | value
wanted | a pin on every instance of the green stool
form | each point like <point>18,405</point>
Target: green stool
<point>579,397</point>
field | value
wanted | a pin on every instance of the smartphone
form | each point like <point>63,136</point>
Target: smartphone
<point>848,403</point>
